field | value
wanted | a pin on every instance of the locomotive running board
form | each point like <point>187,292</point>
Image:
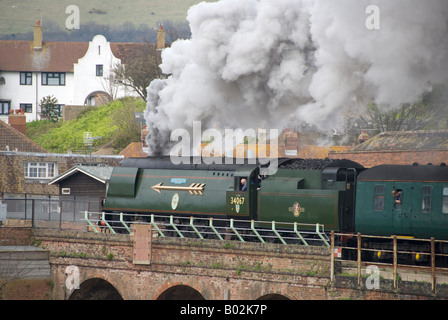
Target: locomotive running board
<point>194,188</point>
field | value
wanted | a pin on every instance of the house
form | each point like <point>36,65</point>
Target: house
<point>30,172</point>
<point>76,73</point>
<point>84,182</point>
<point>13,138</point>
<point>400,147</point>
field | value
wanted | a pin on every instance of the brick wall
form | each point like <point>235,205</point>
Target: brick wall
<point>12,177</point>
<point>15,236</point>
<point>27,289</point>
<point>215,269</point>
<point>370,159</point>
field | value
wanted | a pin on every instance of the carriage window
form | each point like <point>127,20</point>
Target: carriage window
<point>379,198</point>
<point>445,200</point>
<point>426,199</point>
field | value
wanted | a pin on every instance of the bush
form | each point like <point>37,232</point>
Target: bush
<point>103,121</point>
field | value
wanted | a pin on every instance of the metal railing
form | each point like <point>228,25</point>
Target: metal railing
<point>393,251</point>
<point>210,228</point>
<point>48,212</point>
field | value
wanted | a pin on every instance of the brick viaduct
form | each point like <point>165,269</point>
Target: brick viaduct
<point>123,267</point>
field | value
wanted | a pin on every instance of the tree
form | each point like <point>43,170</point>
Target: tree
<point>128,128</point>
<point>138,72</point>
<point>428,113</point>
<point>49,108</point>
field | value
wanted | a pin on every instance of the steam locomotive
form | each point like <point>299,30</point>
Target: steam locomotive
<point>340,194</point>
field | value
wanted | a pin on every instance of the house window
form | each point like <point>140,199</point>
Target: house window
<point>99,70</point>
<point>26,78</point>
<point>28,107</point>
<point>53,78</point>
<point>59,108</point>
<point>40,170</point>
<point>379,198</point>
<point>426,199</point>
<point>5,106</point>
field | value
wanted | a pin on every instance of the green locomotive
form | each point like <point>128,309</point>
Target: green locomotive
<point>301,190</point>
<point>340,194</point>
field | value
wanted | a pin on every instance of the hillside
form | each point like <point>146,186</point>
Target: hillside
<point>19,16</point>
<point>113,122</point>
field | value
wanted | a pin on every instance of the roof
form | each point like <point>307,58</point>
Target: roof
<point>12,139</point>
<point>192,163</point>
<point>133,150</point>
<point>54,56</point>
<point>406,140</point>
<point>100,173</point>
<point>405,173</point>
<point>125,51</point>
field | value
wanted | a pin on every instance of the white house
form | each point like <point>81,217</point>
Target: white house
<point>76,73</point>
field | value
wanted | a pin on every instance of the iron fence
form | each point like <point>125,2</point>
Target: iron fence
<point>395,252</point>
<point>49,212</point>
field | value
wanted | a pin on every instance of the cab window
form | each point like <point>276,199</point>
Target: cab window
<point>241,184</point>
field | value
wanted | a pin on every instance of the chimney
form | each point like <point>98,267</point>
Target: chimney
<point>160,38</point>
<point>291,143</point>
<point>37,43</point>
<point>145,133</point>
<point>18,121</point>
<point>363,137</point>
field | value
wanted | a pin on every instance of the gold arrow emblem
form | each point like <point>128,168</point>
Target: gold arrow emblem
<point>194,188</point>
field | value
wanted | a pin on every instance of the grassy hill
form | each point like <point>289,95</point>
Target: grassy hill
<point>113,122</point>
<point>19,16</point>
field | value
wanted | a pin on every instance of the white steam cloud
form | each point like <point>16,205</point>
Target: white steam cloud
<point>276,63</point>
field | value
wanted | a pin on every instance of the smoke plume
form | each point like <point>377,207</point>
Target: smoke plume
<point>277,63</point>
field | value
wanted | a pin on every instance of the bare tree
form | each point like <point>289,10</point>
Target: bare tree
<point>138,72</point>
<point>428,113</point>
<point>176,30</point>
<point>407,117</point>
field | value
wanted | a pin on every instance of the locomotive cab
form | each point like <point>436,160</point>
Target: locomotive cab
<point>241,200</point>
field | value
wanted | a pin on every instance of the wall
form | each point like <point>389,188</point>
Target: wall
<point>15,92</point>
<point>12,178</point>
<point>216,269</point>
<point>370,159</point>
<point>85,79</point>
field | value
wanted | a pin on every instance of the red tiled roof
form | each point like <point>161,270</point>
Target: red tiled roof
<point>13,139</point>
<point>53,57</point>
<point>127,50</point>
<point>56,56</point>
<point>406,140</point>
<point>134,149</point>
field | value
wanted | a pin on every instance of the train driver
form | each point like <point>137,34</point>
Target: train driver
<point>243,183</point>
<point>397,197</point>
